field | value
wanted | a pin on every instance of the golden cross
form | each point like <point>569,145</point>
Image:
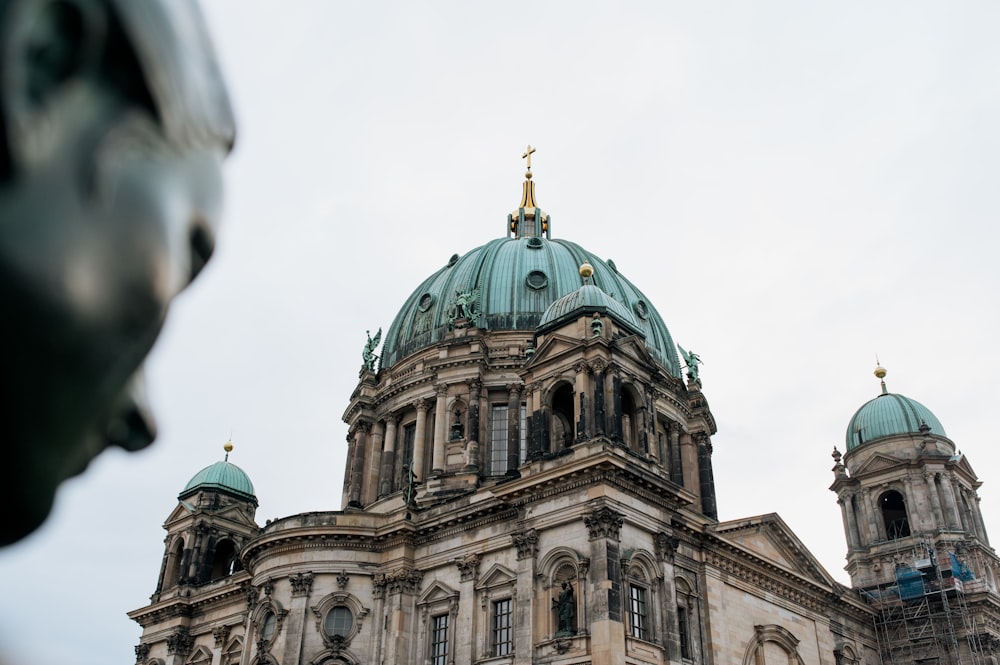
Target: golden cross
<point>527,155</point>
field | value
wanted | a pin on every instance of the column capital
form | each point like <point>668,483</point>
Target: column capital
<point>420,404</point>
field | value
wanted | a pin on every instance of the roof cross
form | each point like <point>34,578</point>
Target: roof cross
<point>527,155</point>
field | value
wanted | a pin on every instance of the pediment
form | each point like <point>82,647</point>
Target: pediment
<point>497,575</point>
<point>235,513</point>
<point>879,462</point>
<point>181,510</point>
<point>963,466</point>
<point>634,347</point>
<point>437,591</point>
<point>769,538</point>
<point>554,347</point>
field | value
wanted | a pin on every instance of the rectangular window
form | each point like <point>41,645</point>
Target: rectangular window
<point>498,440</point>
<point>503,636</point>
<point>682,632</point>
<point>439,640</point>
<point>637,612</point>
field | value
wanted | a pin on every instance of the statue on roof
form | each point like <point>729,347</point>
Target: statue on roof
<point>114,125</point>
<point>691,360</point>
<point>463,312</point>
<point>368,356</point>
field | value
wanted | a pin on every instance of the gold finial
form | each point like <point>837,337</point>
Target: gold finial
<point>228,447</point>
<point>586,271</point>
<point>880,375</point>
<point>527,155</point>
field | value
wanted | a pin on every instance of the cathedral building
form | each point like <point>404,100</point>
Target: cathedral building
<point>529,480</point>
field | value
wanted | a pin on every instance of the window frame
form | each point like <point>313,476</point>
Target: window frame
<point>502,636</point>
<point>439,643</point>
<point>638,611</point>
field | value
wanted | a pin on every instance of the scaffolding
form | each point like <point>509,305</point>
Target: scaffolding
<point>921,615</point>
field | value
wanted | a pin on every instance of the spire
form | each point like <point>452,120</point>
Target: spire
<point>880,374</point>
<point>528,220</point>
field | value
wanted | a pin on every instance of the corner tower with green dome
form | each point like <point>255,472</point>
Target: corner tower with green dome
<point>914,530</point>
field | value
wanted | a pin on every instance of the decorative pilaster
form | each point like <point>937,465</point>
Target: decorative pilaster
<point>706,477</point>
<point>513,428</point>
<point>582,387</point>
<point>935,499</point>
<point>220,634</point>
<point>358,463</point>
<point>301,583</point>
<point>419,439</point>
<point>472,447</point>
<point>440,430</point>
<point>600,416</point>
<point>388,456</point>
<point>141,652</point>
<point>180,643</point>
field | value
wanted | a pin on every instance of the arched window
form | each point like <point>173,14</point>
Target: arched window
<point>563,429</point>
<point>172,576</point>
<point>225,561</point>
<point>894,515</point>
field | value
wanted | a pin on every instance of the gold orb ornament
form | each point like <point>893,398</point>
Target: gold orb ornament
<point>586,271</point>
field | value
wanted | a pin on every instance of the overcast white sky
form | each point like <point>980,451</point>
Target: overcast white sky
<point>795,186</point>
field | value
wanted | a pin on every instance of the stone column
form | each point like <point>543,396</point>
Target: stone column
<point>220,634</point>
<point>979,520</point>
<point>513,428</point>
<point>848,518</point>
<point>388,456</point>
<point>951,505</point>
<point>616,408</point>
<point>607,626</point>
<point>666,545</point>
<point>600,415</point>
<point>472,447</point>
<point>346,493</point>
<point>358,463</point>
<point>580,403</point>
<point>689,461</point>
<point>419,437</point>
<point>706,477</point>
<point>676,463</point>
<point>935,500</point>
<point>296,617</point>
<point>869,510</point>
<point>370,491</point>
<point>440,430</point>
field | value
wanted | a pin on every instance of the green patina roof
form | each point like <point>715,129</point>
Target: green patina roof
<point>518,279</point>
<point>224,477</point>
<point>887,415</point>
<point>588,298</point>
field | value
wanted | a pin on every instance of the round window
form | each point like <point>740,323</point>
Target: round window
<point>641,310</point>
<point>267,628</point>
<point>536,279</point>
<point>425,303</point>
<point>339,622</point>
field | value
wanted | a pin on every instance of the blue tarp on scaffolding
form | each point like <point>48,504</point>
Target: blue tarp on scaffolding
<point>910,583</point>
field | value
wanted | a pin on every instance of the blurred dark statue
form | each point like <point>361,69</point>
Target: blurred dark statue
<point>113,125</point>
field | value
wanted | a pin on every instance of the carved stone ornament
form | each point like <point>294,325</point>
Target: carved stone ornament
<point>604,523</point>
<point>251,595</point>
<point>599,365</point>
<point>180,642</point>
<point>268,586</point>
<point>468,567</point>
<point>141,651</point>
<point>342,580</point>
<point>397,581</point>
<point>301,583</point>
<point>563,644</point>
<point>526,543</point>
<point>666,546</point>
<point>221,634</point>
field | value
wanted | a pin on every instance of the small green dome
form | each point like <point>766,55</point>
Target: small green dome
<point>515,281</point>
<point>222,476</point>
<point>887,415</point>
<point>588,298</point>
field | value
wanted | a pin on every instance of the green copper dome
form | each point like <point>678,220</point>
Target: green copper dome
<point>887,415</point>
<point>222,477</point>
<point>512,282</point>
<point>588,298</point>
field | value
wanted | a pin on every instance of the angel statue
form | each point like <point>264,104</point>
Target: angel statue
<point>368,355</point>
<point>463,307</point>
<point>692,360</point>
